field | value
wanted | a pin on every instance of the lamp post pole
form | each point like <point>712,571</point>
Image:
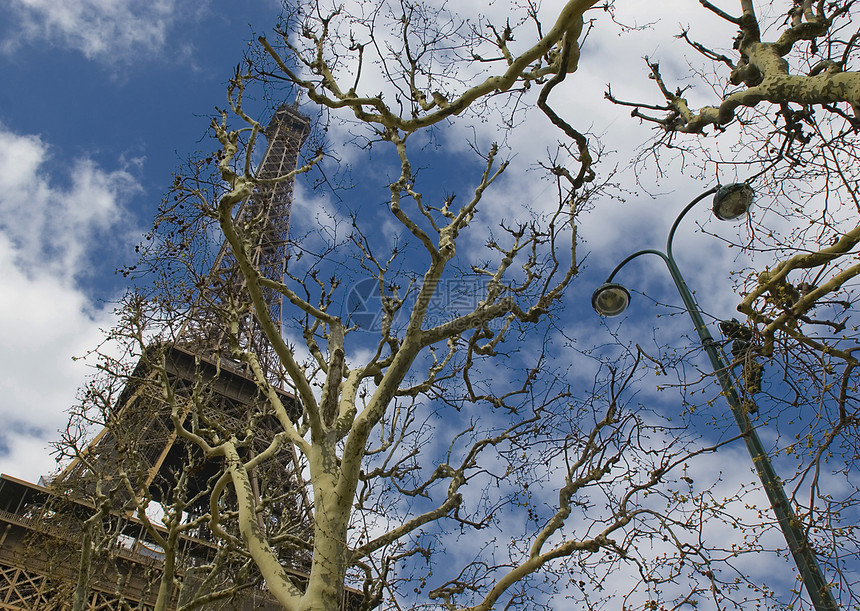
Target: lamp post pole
<point>804,557</point>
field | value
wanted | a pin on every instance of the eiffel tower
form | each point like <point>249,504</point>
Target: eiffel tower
<point>139,457</point>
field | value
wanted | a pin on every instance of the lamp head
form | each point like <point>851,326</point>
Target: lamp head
<point>610,299</point>
<point>733,201</point>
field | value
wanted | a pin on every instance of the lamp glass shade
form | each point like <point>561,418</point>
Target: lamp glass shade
<point>610,299</point>
<point>733,201</point>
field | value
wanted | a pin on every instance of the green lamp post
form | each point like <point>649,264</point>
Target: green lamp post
<point>611,299</point>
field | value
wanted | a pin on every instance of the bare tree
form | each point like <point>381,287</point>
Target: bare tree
<point>786,97</point>
<point>444,455</point>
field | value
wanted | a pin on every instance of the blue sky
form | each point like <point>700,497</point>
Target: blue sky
<point>101,102</point>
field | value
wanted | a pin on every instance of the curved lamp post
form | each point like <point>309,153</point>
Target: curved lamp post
<point>611,299</point>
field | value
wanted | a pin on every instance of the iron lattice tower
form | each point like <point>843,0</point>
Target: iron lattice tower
<point>263,221</point>
<point>141,442</point>
<point>203,345</point>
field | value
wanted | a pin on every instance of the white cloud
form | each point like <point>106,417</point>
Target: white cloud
<point>43,324</point>
<point>106,30</point>
<point>51,227</point>
<point>48,226</point>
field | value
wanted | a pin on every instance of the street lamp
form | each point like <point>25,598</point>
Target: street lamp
<point>732,201</point>
<point>611,299</point>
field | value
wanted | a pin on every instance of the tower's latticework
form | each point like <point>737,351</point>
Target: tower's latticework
<point>139,454</point>
<point>264,222</point>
